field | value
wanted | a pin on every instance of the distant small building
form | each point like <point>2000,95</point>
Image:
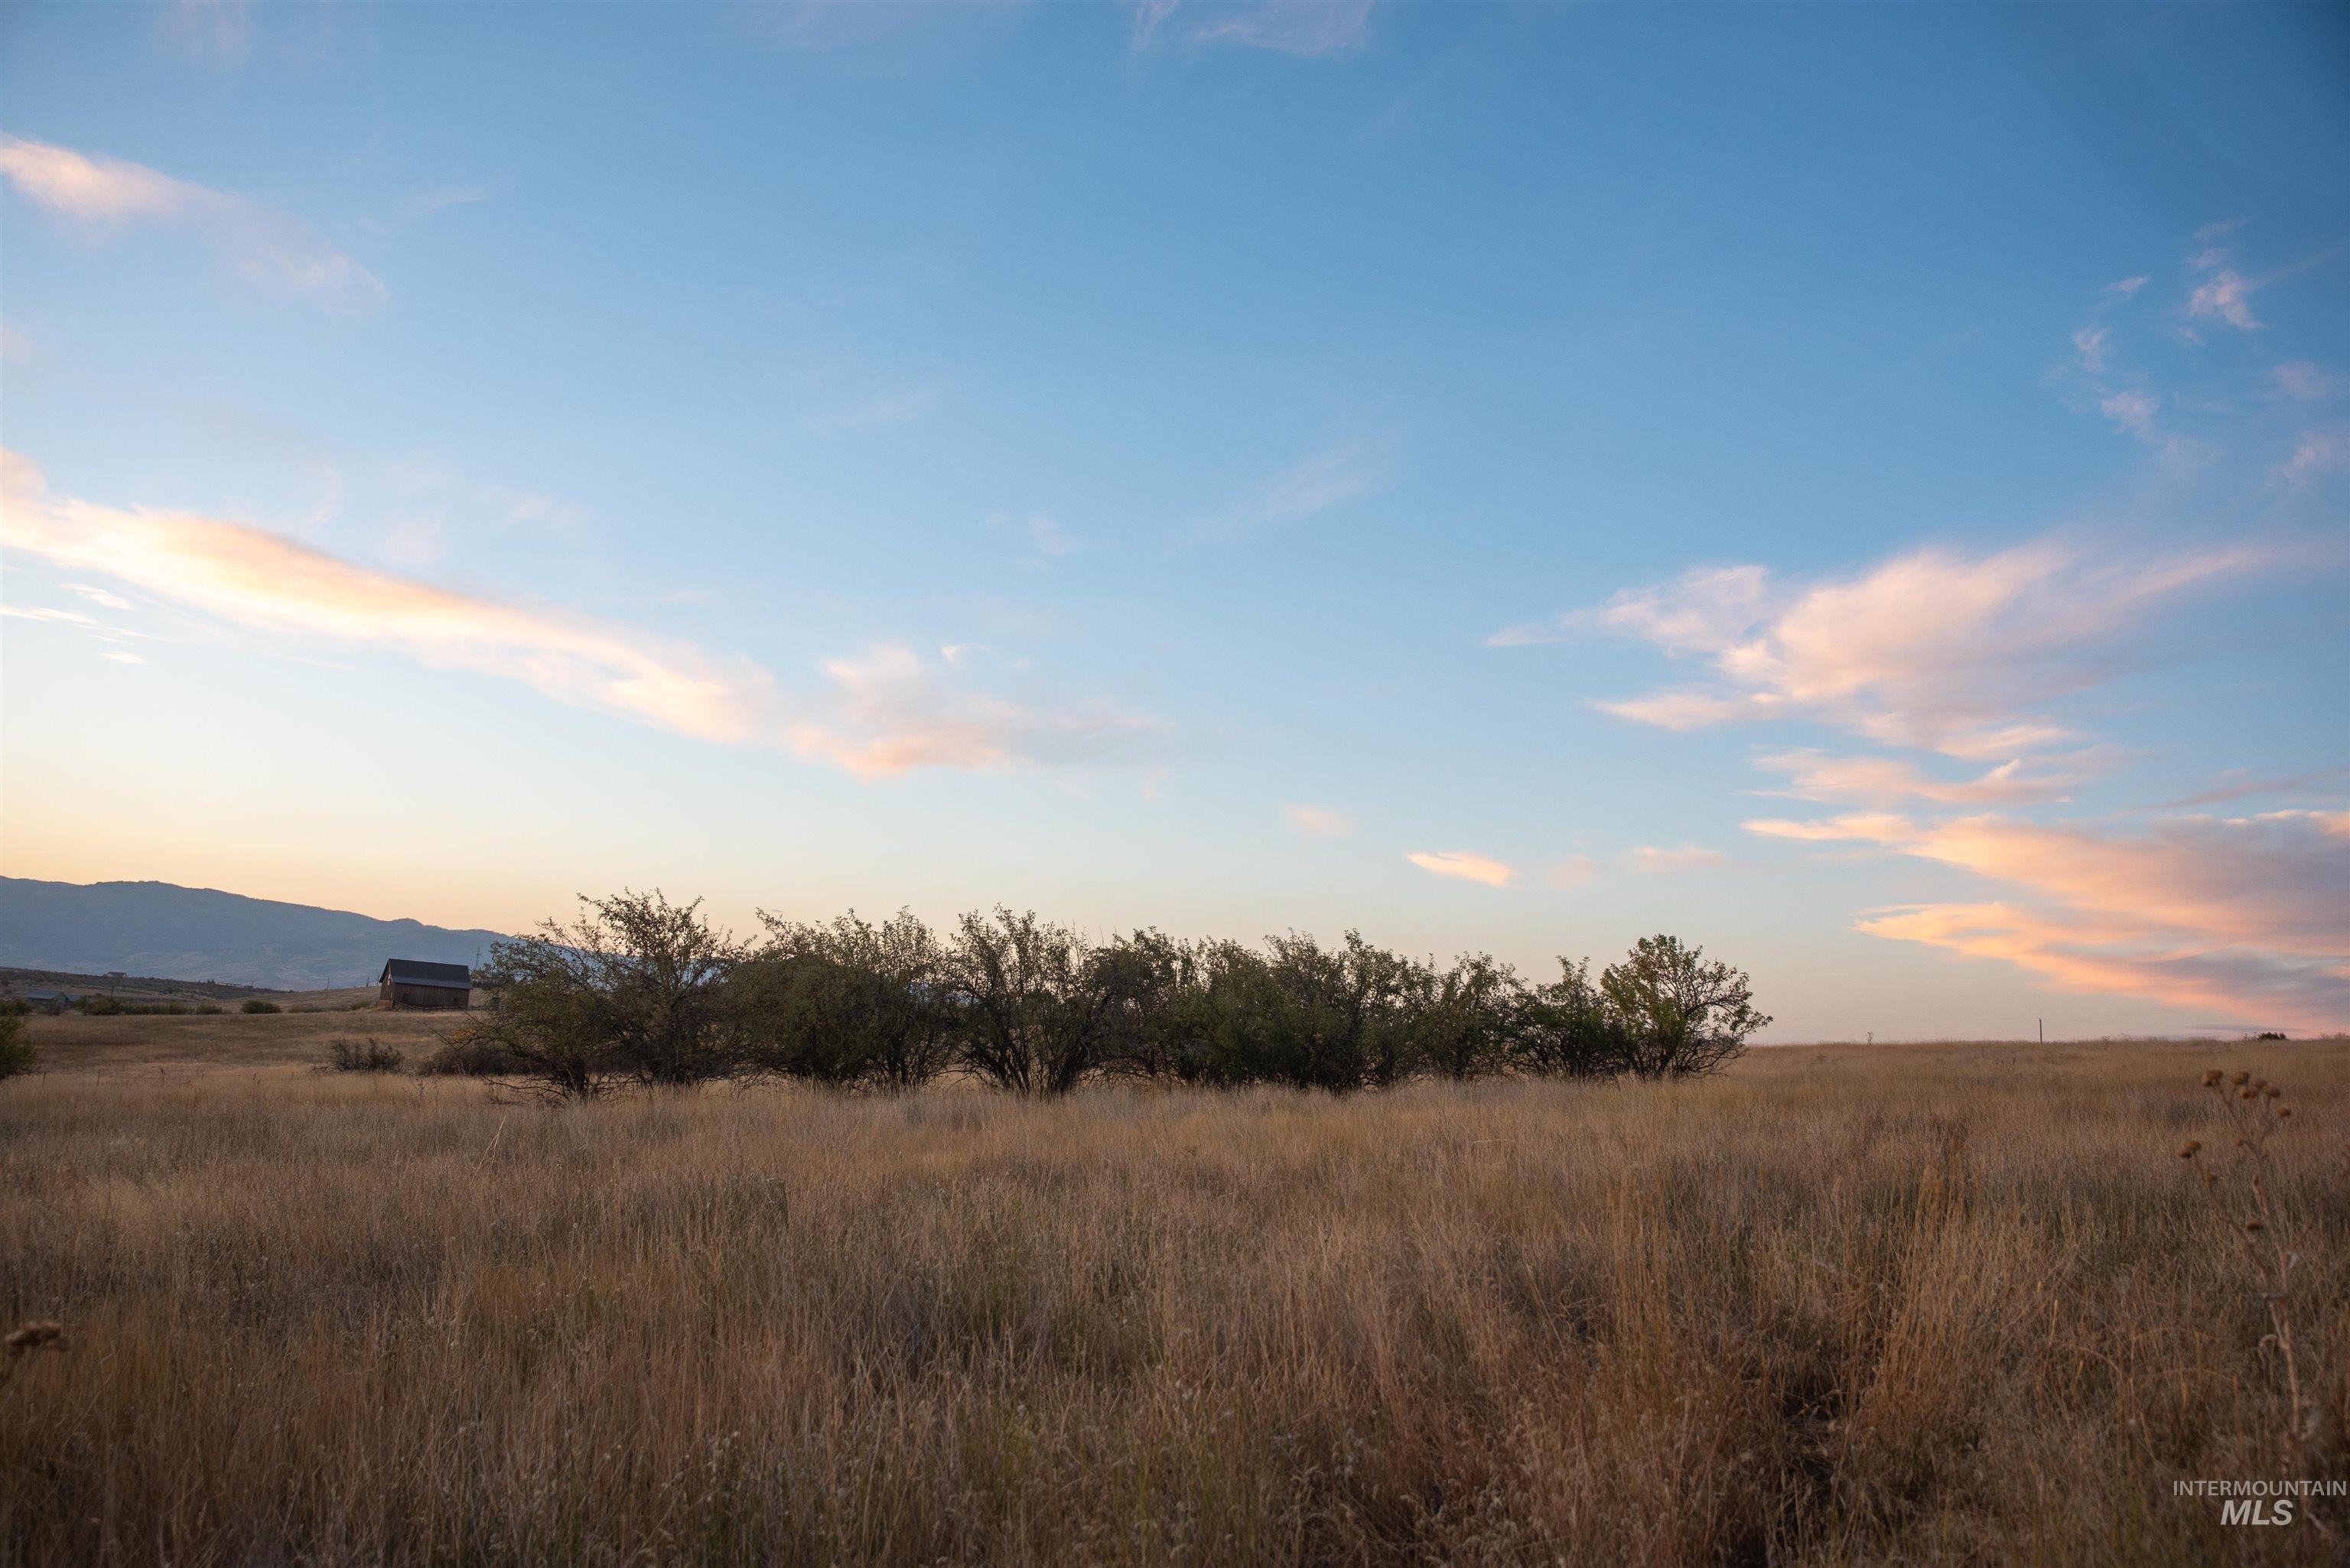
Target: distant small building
<point>411,982</point>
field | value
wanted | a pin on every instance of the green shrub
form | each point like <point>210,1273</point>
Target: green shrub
<point>368,1055</point>
<point>17,1054</point>
<point>846,1003</point>
<point>210,1007</point>
<point>100,1006</point>
<point>634,990</point>
<point>254,1005</point>
<point>466,1054</point>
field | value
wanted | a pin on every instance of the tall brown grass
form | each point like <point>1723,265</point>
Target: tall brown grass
<point>1946,1304</point>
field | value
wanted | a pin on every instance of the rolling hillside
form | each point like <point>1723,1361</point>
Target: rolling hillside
<point>200,934</point>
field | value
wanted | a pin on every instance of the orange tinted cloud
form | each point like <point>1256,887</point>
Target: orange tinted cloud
<point>256,579</point>
<point>886,712</point>
<point>1465,866</point>
<point>1679,857</point>
<point>2247,987</point>
<point>2246,914</point>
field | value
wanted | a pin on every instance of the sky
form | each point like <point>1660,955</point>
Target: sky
<point>1861,489</point>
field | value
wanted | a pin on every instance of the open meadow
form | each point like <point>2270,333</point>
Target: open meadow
<point>1959,1304</point>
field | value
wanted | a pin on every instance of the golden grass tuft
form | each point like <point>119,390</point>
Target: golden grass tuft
<point>1951,1304</point>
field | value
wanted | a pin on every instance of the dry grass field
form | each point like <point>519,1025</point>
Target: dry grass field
<point>1926,1303</point>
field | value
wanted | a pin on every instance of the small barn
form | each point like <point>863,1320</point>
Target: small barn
<point>412,982</point>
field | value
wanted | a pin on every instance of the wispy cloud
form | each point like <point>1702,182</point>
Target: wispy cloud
<point>1317,821</point>
<point>1889,780</point>
<point>2225,296</point>
<point>2238,913</point>
<point>1314,28</point>
<point>883,712</point>
<point>97,596</point>
<point>2301,378</point>
<point>423,204</point>
<point>41,612</point>
<point>2132,411</point>
<point>1040,535</point>
<point>211,32</point>
<point>2089,345</point>
<point>1648,857</point>
<point>1571,872</point>
<point>877,412</point>
<point>2241,785</point>
<point>254,578</point>
<point>1328,479</point>
<point>1465,866</point>
<point>89,626</point>
<point>891,710</point>
<point>1934,649</point>
<point>431,490</point>
<point>260,242</point>
<point>2316,453</point>
<point>1872,827</point>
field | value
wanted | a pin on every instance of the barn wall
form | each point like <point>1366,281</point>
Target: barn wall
<point>431,996</point>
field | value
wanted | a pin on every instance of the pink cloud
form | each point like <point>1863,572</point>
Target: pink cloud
<point>1465,866</point>
<point>2238,912</point>
<point>1933,648</point>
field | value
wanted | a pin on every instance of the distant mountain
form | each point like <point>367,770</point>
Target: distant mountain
<point>196,933</point>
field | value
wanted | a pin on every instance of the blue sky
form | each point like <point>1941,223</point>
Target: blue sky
<point>1859,488</point>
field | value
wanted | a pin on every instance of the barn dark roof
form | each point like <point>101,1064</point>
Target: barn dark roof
<point>416,971</point>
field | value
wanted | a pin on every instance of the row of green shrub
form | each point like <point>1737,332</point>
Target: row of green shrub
<point>101,1005</point>
<point>641,990</point>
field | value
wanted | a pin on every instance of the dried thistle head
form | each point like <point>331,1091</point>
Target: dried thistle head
<point>2187,1149</point>
<point>2240,1079</point>
<point>32,1336</point>
<point>2212,1078</point>
<point>28,1341</point>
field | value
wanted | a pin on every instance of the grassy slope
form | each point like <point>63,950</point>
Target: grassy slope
<point>1950,1303</point>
